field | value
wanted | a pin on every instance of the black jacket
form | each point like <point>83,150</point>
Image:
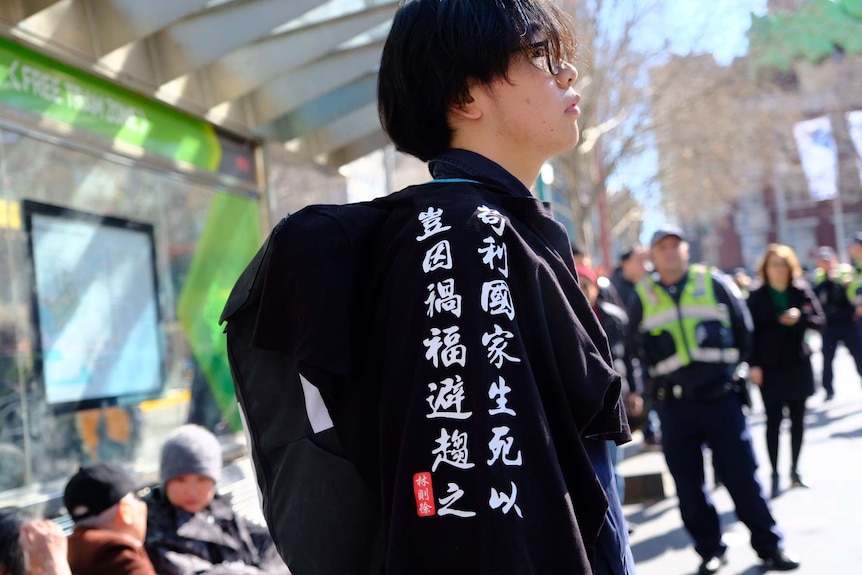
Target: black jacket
<point>832,296</point>
<point>623,288</point>
<point>616,323</point>
<point>462,367</point>
<point>780,350</point>
<point>214,541</point>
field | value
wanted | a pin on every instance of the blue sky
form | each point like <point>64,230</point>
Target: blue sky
<point>693,27</point>
<point>718,27</point>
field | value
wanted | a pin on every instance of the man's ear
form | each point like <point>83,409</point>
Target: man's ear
<point>469,110</point>
<point>125,512</point>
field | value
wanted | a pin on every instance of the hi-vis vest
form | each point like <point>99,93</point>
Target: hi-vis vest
<point>699,326</point>
<point>847,276</point>
<point>854,286</point>
<point>843,276</point>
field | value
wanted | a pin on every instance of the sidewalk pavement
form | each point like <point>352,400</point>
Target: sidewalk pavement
<point>822,525</point>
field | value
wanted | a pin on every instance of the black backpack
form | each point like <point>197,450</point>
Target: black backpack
<point>320,513</point>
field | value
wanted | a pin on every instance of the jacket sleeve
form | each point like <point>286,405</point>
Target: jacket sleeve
<point>240,569</point>
<point>740,319</point>
<point>169,562</point>
<point>633,338</point>
<point>755,303</point>
<point>269,560</point>
<point>616,322</point>
<point>812,312</point>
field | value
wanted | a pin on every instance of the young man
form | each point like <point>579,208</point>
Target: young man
<point>110,522</point>
<point>443,326</point>
<point>193,529</point>
<point>630,271</point>
<point>615,322</point>
<point>690,328</point>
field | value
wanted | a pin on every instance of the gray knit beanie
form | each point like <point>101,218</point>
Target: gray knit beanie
<point>190,449</point>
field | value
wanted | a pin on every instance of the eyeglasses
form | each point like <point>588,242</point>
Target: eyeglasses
<point>542,49</point>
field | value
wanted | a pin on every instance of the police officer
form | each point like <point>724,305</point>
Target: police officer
<point>691,329</point>
<point>832,281</point>
<point>854,288</point>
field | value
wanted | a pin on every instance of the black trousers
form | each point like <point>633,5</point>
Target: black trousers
<point>849,335</point>
<point>774,417</point>
<point>687,425</point>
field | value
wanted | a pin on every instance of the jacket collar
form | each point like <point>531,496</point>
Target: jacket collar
<point>457,163</point>
<point>209,525</point>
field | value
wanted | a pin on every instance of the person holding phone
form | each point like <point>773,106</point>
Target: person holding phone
<point>782,309</point>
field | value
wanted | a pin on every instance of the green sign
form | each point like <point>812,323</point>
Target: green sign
<point>50,89</point>
<point>230,238</point>
<point>816,31</point>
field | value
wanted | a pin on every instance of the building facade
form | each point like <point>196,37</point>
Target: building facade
<point>731,169</point>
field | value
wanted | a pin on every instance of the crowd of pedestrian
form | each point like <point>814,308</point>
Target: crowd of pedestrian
<point>468,283</point>
<point>699,337</point>
<point>181,526</point>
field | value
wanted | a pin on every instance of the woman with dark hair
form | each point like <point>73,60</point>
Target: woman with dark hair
<point>782,308</point>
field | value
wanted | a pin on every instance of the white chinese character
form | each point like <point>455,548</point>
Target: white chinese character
<point>442,297</point>
<point>438,257</point>
<point>423,494</point>
<point>498,392</point>
<point>456,494</point>
<point>495,252</point>
<point>493,218</point>
<point>452,449</point>
<point>496,344</point>
<point>444,346</point>
<point>424,509</point>
<point>447,402</point>
<point>497,300</point>
<point>500,445</point>
<point>431,223</point>
<point>499,498</point>
<point>422,480</point>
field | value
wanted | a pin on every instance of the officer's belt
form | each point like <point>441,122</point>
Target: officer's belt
<point>672,391</point>
<point>728,355</point>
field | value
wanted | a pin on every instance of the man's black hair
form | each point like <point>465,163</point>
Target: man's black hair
<point>11,554</point>
<point>437,48</point>
<point>627,254</point>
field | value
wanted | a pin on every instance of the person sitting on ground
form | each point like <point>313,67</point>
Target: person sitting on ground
<point>110,522</point>
<point>35,547</point>
<point>191,527</point>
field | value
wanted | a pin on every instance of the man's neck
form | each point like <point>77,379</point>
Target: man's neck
<point>670,278</point>
<point>523,166</point>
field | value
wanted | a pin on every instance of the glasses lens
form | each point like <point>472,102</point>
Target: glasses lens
<point>554,63</point>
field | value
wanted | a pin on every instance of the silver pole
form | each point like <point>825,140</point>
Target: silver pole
<point>838,216</point>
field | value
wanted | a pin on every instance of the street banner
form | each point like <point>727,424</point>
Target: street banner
<point>854,124</point>
<point>819,157</point>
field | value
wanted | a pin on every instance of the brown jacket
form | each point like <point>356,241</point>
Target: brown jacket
<point>99,552</point>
